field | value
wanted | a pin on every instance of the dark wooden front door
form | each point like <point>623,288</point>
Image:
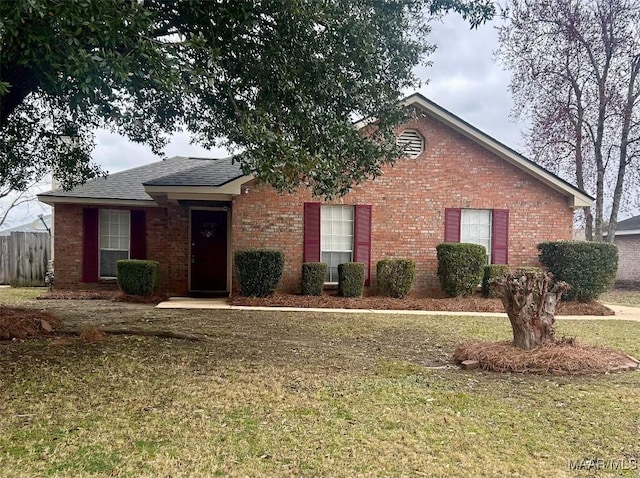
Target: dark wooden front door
<point>209,251</point>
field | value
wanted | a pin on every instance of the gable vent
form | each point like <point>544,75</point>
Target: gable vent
<point>411,142</point>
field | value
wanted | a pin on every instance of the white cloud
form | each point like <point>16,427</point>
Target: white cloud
<point>465,79</point>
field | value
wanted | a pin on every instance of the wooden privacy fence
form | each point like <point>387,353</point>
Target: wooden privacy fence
<point>24,257</point>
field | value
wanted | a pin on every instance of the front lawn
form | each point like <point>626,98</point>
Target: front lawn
<point>302,394</point>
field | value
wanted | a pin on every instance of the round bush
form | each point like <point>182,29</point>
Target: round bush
<point>460,267</point>
<point>351,279</point>
<point>395,276</point>
<point>137,277</point>
<point>313,277</point>
<point>588,267</point>
<point>259,271</point>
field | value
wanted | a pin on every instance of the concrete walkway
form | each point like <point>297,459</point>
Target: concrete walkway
<point>622,312</point>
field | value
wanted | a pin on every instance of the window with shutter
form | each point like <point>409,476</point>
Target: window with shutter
<point>412,143</point>
<point>335,234</point>
<point>336,238</point>
<point>487,227</point>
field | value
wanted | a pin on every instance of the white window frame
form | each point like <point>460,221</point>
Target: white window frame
<point>329,233</point>
<point>469,220</point>
<point>114,239</point>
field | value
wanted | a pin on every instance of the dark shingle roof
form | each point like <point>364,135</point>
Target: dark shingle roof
<point>631,224</point>
<point>176,171</point>
<point>205,173</point>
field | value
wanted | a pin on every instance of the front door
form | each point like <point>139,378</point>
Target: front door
<point>209,250</point>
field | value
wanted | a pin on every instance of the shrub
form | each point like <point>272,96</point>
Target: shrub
<point>492,272</point>
<point>460,267</point>
<point>259,271</point>
<point>137,277</point>
<point>588,267</point>
<point>313,276</point>
<point>351,279</point>
<point>395,276</point>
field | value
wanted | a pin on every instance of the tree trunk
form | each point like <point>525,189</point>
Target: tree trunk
<point>530,305</point>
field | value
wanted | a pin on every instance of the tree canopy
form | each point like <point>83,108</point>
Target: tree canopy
<point>576,67</point>
<point>280,80</point>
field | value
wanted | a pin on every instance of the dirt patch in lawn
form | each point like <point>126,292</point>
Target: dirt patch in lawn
<point>21,323</point>
<point>558,357</point>
<point>456,304</point>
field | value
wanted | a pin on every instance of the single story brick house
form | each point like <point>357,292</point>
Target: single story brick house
<point>627,238</point>
<point>192,214</point>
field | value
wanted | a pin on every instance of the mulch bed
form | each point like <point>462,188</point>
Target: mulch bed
<point>456,304</point>
<point>560,357</point>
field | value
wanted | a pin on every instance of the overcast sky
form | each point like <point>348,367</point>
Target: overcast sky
<point>464,79</point>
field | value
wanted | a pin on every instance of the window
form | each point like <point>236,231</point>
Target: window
<point>336,238</point>
<point>475,228</point>
<point>114,240</point>
<point>412,143</point>
<point>488,227</point>
<point>330,231</point>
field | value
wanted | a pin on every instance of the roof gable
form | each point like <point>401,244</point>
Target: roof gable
<point>577,197</point>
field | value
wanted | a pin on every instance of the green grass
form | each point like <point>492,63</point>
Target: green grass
<point>19,295</point>
<point>303,394</point>
<point>629,298</point>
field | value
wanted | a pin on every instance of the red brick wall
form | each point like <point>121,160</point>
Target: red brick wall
<point>628,258</point>
<point>407,215</point>
<point>162,224</point>
<point>408,207</point>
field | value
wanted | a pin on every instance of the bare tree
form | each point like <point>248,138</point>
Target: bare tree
<point>13,200</point>
<point>575,67</point>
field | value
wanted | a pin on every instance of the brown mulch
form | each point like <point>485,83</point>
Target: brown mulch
<point>456,304</point>
<point>558,357</point>
<point>21,323</point>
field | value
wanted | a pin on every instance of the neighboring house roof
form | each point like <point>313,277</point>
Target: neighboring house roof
<point>34,226</point>
<point>578,197</point>
<point>185,177</point>
<point>128,186</point>
<point>628,226</point>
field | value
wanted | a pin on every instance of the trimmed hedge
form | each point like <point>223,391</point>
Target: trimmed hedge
<point>259,271</point>
<point>313,277</point>
<point>460,267</point>
<point>137,277</point>
<point>395,276</point>
<point>351,279</point>
<point>492,271</point>
<point>588,267</point>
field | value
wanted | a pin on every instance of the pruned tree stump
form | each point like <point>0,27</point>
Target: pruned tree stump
<point>530,301</point>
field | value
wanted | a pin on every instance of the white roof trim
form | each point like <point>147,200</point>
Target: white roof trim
<point>233,188</point>
<point>629,232</point>
<point>53,200</point>
<point>576,197</point>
